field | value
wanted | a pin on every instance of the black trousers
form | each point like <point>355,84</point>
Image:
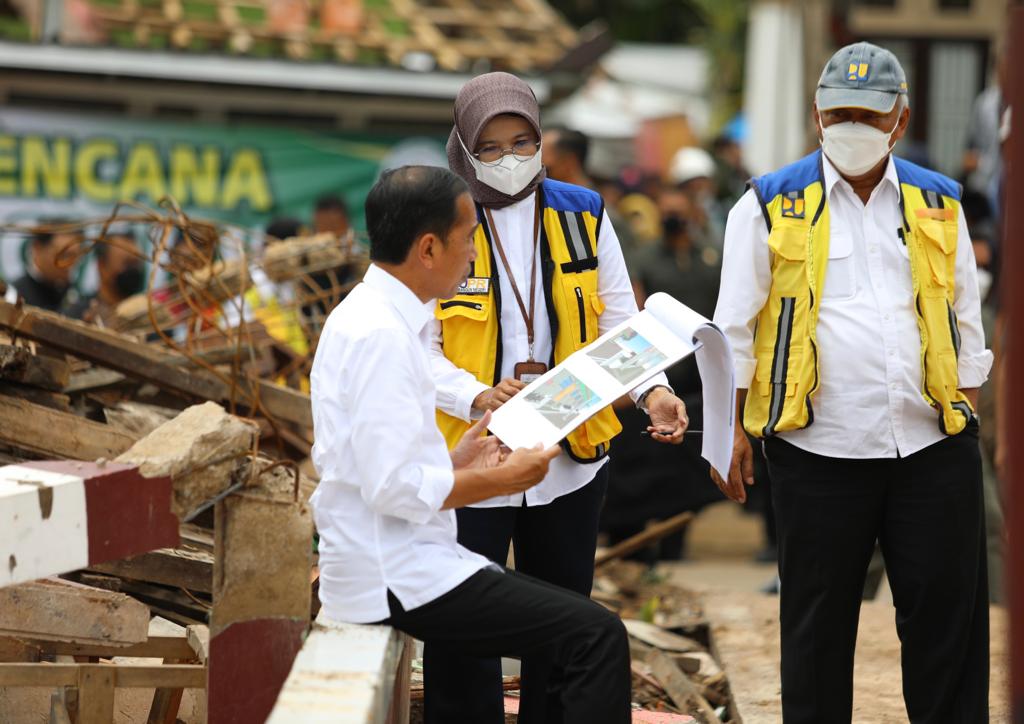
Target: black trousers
<point>554,543</point>
<point>926,512</point>
<point>504,613</point>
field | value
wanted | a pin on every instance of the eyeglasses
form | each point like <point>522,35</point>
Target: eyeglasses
<point>494,153</point>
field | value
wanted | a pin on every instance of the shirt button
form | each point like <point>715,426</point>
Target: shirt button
<point>894,385</point>
<point>887,317</point>
<point>872,248</point>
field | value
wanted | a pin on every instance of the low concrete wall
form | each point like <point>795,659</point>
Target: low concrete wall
<point>347,674</point>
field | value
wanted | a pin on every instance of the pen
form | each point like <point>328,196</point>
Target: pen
<point>658,432</point>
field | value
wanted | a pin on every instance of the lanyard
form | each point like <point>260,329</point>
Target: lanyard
<point>527,314</point>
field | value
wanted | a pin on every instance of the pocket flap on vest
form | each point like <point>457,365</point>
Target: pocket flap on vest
<point>475,309</point>
<point>936,233</point>
<point>789,242</point>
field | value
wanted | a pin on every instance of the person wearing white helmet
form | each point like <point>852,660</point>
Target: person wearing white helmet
<point>693,170</point>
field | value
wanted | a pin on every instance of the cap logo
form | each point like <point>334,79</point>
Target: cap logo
<point>857,71</point>
<point>793,205</point>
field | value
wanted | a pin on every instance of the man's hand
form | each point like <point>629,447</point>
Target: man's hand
<point>971,393</point>
<point>475,449</point>
<point>526,467</point>
<point>741,470</point>
<point>495,397</point>
<point>668,416</point>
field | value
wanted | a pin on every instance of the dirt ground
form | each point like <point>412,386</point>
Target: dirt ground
<point>745,627</point>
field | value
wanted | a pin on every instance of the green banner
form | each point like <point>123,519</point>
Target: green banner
<point>61,165</point>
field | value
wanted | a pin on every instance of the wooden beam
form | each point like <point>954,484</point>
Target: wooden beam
<point>199,641</point>
<point>52,609</point>
<point>41,430</point>
<point>683,692</point>
<point>95,694</point>
<point>185,676</point>
<point>172,567</point>
<point>156,647</point>
<point>643,539</point>
<point>18,364</point>
<point>163,368</point>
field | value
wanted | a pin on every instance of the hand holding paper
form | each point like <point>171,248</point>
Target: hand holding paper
<point>663,333</point>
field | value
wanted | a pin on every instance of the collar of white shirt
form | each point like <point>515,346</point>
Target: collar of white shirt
<point>832,176</point>
<point>414,312</point>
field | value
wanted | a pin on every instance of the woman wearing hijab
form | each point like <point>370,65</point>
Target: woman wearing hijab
<point>548,280</point>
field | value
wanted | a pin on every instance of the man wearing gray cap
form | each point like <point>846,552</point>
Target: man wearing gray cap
<point>850,297</point>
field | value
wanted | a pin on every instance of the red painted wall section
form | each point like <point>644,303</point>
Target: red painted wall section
<point>249,662</point>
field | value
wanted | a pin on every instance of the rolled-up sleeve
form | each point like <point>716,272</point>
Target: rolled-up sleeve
<point>975,360</point>
<point>456,388</point>
<point>396,477</point>
<point>746,281</point>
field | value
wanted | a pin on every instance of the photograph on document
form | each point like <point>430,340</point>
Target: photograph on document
<point>562,399</point>
<point>626,356</point>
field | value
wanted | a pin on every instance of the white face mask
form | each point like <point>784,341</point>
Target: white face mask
<point>855,148</point>
<point>510,175</point>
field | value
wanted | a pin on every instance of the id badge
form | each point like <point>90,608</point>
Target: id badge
<point>529,371</point>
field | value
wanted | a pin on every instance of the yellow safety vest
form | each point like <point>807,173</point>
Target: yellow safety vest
<point>471,320</point>
<point>785,342</point>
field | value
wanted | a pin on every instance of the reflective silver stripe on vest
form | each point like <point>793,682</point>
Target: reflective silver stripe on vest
<point>575,232</point>
<point>780,364</point>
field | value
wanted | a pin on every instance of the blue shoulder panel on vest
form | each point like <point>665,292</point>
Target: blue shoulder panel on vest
<point>911,173</point>
<point>794,177</point>
<point>570,197</point>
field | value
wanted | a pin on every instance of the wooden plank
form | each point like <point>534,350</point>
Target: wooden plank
<point>659,637</point>
<point>18,364</point>
<point>643,539</point>
<point>52,609</point>
<point>173,567</point>
<point>58,709</point>
<point>185,676</point>
<point>156,647</point>
<point>48,432</point>
<point>96,694</point>
<point>683,692</point>
<point>53,400</point>
<point>198,637</point>
<point>48,675</point>
<point>160,367</point>
<point>93,378</point>
<point>108,349</point>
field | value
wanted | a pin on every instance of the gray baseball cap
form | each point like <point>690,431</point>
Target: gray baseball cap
<point>861,75</point>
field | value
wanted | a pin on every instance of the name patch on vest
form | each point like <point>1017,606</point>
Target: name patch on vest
<point>793,205</point>
<point>475,285</point>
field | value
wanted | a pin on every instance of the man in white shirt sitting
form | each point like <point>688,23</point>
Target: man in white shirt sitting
<point>385,505</point>
<point>849,295</point>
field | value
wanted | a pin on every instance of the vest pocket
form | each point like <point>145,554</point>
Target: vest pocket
<point>582,307</point>
<point>770,372</point>
<point>469,308</point>
<point>940,250</point>
<point>789,272</point>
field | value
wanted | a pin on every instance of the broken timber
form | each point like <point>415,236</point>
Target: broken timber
<point>44,431</point>
<point>135,359</point>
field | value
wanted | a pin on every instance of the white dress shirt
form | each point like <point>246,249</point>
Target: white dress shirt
<point>869,404</point>
<point>456,388</point>
<point>384,468</point>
